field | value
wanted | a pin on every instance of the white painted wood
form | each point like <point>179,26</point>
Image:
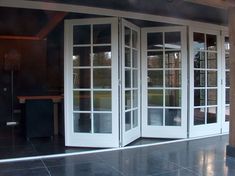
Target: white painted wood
<point>164,131</point>
<point>90,139</point>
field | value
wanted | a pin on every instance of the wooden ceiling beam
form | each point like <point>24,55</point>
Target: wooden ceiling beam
<point>222,4</point>
<point>52,23</point>
<point>14,37</point>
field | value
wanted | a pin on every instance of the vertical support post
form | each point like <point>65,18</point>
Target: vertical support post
<point>231,19</point>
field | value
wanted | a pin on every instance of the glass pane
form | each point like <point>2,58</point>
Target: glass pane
<point>155,117</point>
<point>103,123</point>
<point>227,79</point>
<point>172,40</point>
<point>155,78</point>
<point>134,59</point>
<point>81,100</point>
<point>198,41</point>
<point>127,36</point>
<point>82,35</point>
<point>212,115</point>
<point>211,78</point>
<point>102,33</point>
<point>199,116</point>
<point>81,78</point>
<point>211,60</point>
<point>199,97</point>
<point>227,113</point>
<point>81,56</point>
<point>82,122</point>
<point>102,78</point>
<point>227,61</point>
<point>173,117</point>
<point>135,98</point>
<point>128,78</point>
<point>199,59</point>
<point>127,57</point>
<point>173,59</point>
<point>173,78</point>
<point>211,42</point>
<point>135,78</point>
<point>102,101</point>
<point>155,40</point>
<point>127,99</point>
<point>135,118</point>
<point>226,44</point>
<point>128,120</point>
<point>212,96</point>
<point>134,39</point>
<point>155,59</point>
<point>102,56</point>
<point>227,99</point>
<point>199,78</point>
<point>173,98</point>
<point>155,97</point>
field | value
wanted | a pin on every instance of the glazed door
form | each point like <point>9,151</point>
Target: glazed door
<point>91,83</point>
<point>130,82</point>
<point>164,82</point>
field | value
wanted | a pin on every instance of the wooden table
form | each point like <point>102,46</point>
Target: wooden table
<point>55,99</point>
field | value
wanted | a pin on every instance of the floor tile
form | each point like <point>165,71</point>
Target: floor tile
<point>179,172</point>
<point>26,172</point>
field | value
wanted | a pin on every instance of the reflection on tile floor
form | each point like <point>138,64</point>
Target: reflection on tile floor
<point>202,157</point>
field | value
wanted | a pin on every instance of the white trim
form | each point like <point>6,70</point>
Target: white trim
<point>105,150</point>
<point>105,12</point>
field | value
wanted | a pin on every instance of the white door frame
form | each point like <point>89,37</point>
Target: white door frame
<point>207,129</point>
<point>90,139</point>
<point>164,131</point>
<point>134,132</point>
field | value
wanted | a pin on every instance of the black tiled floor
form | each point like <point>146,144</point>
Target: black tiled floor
<point>203,157</point>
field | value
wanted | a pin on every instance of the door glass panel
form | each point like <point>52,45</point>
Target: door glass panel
<point>173,98</point>
<point>227,113</point>
<point>82,34</point>
<point>155,59</point>
<point>101,33</point>
<point>199,116</point>
<point>102,101</point>
<point>155,40</point>
<point>81,56</point>
<point>172,40</point>
<point>212,96</point>
<point>127,99</point>
<point>81,78</point>
<point>173,117</point>
<point>135,118</point>
<point>102,123</point>
<point>134,39</point>
<point>127,36</point>
<point>81,100</point>
<point>227,78</point>
<point>173,78</point>
<point>173,59</point>
<point>102,78</point>
<point>128,120</point>
<point>127,57</point>
<point>135,79</point>
<point>211,60</point>
<point>155,78</point>
<point>199,97</point>
<point>211,42</point>
<point>155,97</point>
<point>128,78</point>
<point>199,59</point>
<point>102,56</point>
<point>135,98</point>
<point>227,99</point>
<point>155,117</point>
<point>211,115</point>
<point>82,122</point>
<point>198,41</point>
<point>211,78</point>
<point>134,59</point>
<point>199,78</point>
<point>227,61</point>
